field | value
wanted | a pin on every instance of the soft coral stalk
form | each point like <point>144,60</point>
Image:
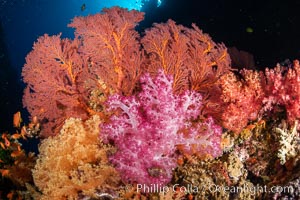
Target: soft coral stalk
<point>148,129</point>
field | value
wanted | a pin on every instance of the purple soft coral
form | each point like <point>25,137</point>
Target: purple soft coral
<point>147,131</point>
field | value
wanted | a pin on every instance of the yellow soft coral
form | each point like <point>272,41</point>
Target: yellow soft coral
<point>74,163</point>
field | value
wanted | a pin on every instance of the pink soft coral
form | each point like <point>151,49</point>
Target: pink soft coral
<point>149,127</point>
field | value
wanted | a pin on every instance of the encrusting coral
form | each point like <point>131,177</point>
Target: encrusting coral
<point>74,163</point>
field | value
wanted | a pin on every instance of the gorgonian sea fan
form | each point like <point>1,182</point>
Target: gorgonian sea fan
<point>148,128</point>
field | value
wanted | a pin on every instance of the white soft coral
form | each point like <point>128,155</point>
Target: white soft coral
<point>288,142</point>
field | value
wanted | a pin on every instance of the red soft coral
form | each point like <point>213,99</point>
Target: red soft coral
<point>242,98</point>
<point>282,88</point>
<point>149,127</point>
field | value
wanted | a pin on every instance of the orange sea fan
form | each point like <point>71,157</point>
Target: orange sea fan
<point>112,46</point>
<point>51,72</point>
<point>189,55</point>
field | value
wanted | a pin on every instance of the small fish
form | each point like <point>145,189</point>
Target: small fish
<point>16,136</point>
<point>24,132</point>
<point>155,171</point>
<point>180,161</point>
<point>4,172</point>
<point>16,153</point>
<point>2,145</point>
<point>17,119</point>
<point>6,141</point>
<point>10,196</point>
<point>83,7</point>
<point>35,120</point>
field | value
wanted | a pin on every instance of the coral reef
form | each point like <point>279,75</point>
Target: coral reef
<point>121,109</point>
<point>108,51</point>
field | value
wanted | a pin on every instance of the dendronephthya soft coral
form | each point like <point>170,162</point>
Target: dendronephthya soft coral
<point>148,129</point>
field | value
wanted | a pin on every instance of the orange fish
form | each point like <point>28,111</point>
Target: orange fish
<point>4,172</point>
<point>250,127</point>
<point>10,195</point>
<point>4,135</point>
<point>23,132</point>
<point>16,145</point>
<point>17,119</point>
<point>2,145</point>
<point>34,120</point>
<point>190,197</point>
<point>180,161</point>
<point>6,141</point>
<point>16,154</point>
<point>16,136</point>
